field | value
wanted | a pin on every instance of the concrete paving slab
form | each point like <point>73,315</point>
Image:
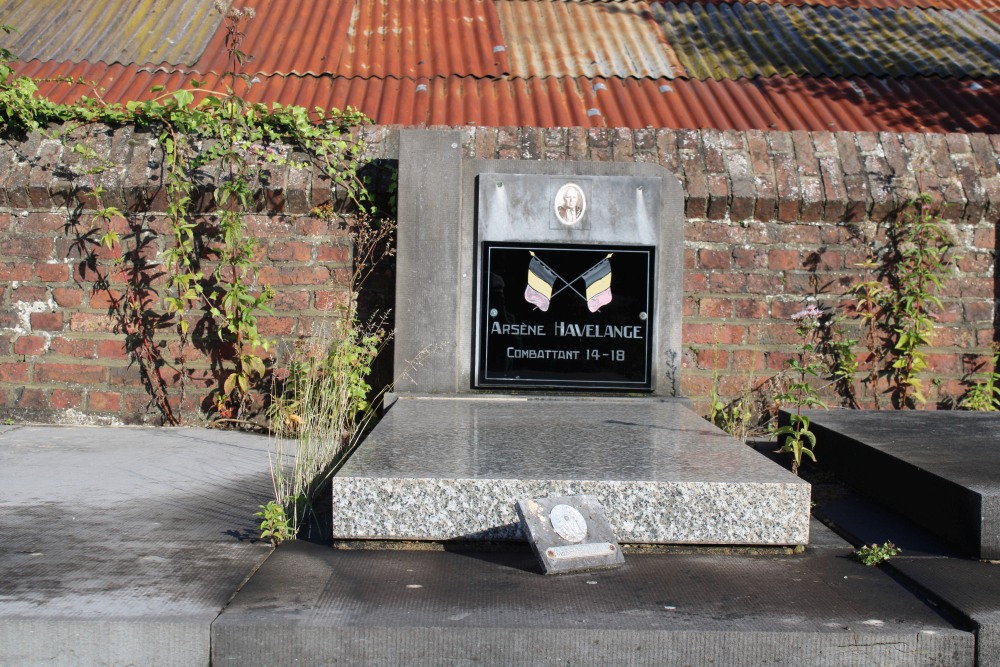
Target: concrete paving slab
<point>939,468</point>
<point>313,605</point>
<point>441,468</point>
<point>121,546</point>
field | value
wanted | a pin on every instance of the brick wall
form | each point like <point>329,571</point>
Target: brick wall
<point>772,218</point>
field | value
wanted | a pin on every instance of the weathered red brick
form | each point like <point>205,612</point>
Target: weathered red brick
<point>708,334</point>
<point>104,401</point>
<point>71,373</point>
<point>290,300</point>
<point>68,297</point>
<point>46,321</point>
<point>63,399</point>
<point>750,258</point>
<point>805,156</point>
<point>751,309</point>
<point>290,251</point>
<point>275,326</point>
<point>985,156</point>
<point>329,252</point>
<point>599,137</point>
<point>79,348</point>
<point>90,322</point>
<point>14,372</point>
<point>709,307</point>
<point>29,293</point>
<point>985,238</point>
<point>304,275</point>
<point>784,260</point>
<point>727,282</point>
<point>30,345</point>
<point>112,348</point>
<point>695,282</point>
<point>330,299</point>
<point>622,144</point>
<point>32,399</point>
<point>576,142</point>
<point>24,247</point>
<point>712,357</point>
<point>718,197</point>
<point>714,259</point>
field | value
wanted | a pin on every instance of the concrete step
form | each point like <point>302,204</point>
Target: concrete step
<point>451,468</point>
<point>939,468</point>
<point>121,545</point>
<point>314,605</point>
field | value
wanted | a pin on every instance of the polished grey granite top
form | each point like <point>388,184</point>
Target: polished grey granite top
<point>632,439</point>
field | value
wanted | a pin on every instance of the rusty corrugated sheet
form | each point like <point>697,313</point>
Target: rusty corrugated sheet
<point>585,38</point>
<point>972,5</point>
<point>731,41</point>
<point>369,38</point>
<point>111,31</point>
<point>853,104</point>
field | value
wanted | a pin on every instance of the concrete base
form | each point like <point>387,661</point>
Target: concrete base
<point>309,605</point>
<point>452,468</point>
<point>939,468</point>
<point>121,546</point>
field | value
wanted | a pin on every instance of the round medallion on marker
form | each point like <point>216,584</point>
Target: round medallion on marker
<point>568,523</point>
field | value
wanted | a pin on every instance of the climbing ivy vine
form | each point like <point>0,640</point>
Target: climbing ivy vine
<point>211,298</point>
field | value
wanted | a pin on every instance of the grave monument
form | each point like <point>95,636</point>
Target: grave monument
<point>537,349</point>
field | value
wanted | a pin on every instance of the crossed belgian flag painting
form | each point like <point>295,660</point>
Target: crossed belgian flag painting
<point>542,280</point>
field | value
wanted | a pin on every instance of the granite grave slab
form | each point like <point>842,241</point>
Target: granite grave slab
<point>451,468</point>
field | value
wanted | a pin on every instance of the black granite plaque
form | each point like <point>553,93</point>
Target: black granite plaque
<point>566,316</point>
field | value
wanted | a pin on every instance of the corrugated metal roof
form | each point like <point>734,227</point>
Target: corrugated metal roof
<point>588,63</point>
<point>585,38</point>
<point>730,41</point>
<point>369,38</point>
<point>854,104</point>
<point>972,5</point>
<point>124,31</point>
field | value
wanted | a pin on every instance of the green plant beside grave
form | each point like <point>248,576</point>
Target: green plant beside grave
<point>984,395</point>
<point>796,437</point>
<point>875,554</point>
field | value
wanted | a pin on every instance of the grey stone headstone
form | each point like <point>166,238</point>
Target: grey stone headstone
<point>569,533</point>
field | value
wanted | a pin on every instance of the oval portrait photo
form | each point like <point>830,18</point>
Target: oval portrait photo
<point>570,204</point>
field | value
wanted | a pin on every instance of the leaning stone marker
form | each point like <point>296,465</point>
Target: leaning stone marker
<point>569,534</point>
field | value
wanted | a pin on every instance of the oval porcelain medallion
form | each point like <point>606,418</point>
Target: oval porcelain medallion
<point>568,523</point>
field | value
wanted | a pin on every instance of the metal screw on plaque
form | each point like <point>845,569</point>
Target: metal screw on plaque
<point>493,312</point>
<point>643,316</point>
<point>568,523</point>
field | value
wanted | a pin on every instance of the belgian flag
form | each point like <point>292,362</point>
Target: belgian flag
<point>598,281</point>
<point>540,281</point>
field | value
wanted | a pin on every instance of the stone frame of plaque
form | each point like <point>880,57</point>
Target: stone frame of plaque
<point>455,203</point>
<point>566,316</point>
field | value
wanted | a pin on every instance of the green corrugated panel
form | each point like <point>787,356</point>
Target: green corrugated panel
<point>111,31</point>
<point>730,41</point>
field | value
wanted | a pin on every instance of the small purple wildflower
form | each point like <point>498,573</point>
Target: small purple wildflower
<point>810,312</point>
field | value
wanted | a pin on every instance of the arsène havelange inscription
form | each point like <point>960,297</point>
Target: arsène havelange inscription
<point>561,315</point>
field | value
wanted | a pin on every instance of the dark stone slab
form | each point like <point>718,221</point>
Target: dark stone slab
<point>971,588</point>
<point>312,605</point>
<point>939,468</point>
<point>121,546</point>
